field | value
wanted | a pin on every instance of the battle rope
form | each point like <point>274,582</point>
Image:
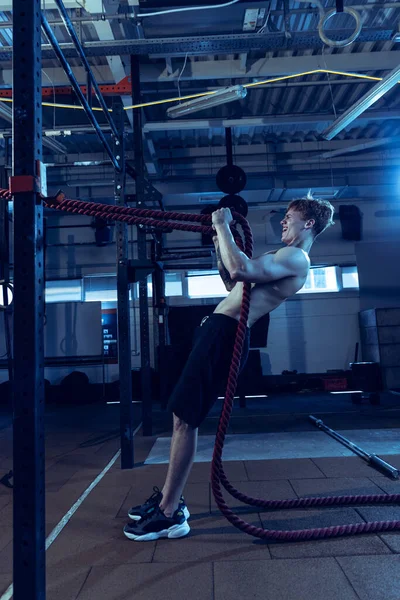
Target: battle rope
<point>162,220</point>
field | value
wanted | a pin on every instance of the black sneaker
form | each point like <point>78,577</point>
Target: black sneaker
<point>155,525</point>
<point>137,512</point>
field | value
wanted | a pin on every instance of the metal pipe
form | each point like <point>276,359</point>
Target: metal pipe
<point>372,459</point>
<point>68,71</point>
<point>70,28</point>
<point>363,104</point>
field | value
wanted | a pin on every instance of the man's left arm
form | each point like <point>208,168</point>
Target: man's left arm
<point>287,262</point>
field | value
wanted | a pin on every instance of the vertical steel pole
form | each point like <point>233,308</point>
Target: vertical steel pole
<point>124,339</point>
<point>142,255</point>
<point>29,460</point>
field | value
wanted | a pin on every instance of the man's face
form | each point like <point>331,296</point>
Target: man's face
<point>292,225</point>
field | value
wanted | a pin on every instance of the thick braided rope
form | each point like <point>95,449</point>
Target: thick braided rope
<point>162,220</point>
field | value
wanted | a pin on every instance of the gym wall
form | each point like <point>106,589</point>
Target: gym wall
<point>307,333</point>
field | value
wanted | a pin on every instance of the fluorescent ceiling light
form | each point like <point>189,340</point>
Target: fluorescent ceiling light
<point>221,97</point>
<point>349,392</point>
<point>396,37</point>
<point>361,105</point>
<point>57,132</point>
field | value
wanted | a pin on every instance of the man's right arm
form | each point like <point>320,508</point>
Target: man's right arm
<point>223,271</point>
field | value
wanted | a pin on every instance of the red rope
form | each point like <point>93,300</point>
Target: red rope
<point>172,220</point>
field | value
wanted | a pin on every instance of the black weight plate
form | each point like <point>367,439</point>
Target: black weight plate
<point>235,203</point>
<point>231,179</point>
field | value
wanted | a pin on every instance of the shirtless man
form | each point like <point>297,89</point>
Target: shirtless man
<point>274,277</point>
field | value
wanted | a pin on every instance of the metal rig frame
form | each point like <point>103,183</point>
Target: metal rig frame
<point>28,345</point>
<point>28,397</point>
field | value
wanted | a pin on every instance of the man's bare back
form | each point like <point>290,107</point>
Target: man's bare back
<point>265,297</point>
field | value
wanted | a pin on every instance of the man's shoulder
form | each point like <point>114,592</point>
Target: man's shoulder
<point>292,254</point>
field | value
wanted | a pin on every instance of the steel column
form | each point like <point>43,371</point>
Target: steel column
<point>124,333</point>
<point>159,305</point>
<point>142,255</point>
<point>29,459</point>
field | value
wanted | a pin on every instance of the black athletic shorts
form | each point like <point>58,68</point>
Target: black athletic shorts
<point>207,368</point>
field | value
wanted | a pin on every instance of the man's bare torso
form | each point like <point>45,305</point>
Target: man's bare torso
<point>264,297</point>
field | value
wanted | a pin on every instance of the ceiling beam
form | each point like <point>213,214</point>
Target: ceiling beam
<point>298,148</point>
<point>263,68</point>
<point>266,68</point>
<point>269,121</point>
<point>208,44</point>
<point>324,149</point>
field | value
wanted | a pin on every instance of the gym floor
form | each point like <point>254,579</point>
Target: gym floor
<point>91,558</point>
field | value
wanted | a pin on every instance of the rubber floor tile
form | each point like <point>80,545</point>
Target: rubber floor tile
<point>296,468</point>
<point>299,579</point>
<point>169,582</point>
<point>210,539</point>
<point>104,544</point>
<point>349,466</point>
<point>392,540</point>
<point>6,526</point>
<point>234,470</point>
<point>6,557</point>
<point>373,577</point>
<point>390,486</point>
<point>5,580</point>
<point>296,519</point>
<point>64,583</point>
<point>267,490</point>
<point>335,486</point>
<point>380,513</point>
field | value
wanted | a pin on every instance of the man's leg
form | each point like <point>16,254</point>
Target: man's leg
<point>183,452</point>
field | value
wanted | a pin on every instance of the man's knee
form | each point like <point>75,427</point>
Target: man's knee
<point>181,425</point>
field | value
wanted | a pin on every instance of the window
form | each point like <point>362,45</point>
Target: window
<point>320,280</point>
<point>63,290</point>
<point>102,288</point>
<point>205,284</point>
<point>350,278</point>
<point>173,284</point>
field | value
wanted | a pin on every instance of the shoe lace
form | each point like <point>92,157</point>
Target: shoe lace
<point>148,515</point>
<point>156,492</point>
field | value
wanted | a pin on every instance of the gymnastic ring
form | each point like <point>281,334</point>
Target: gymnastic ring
<point>330,13</point>
<point>4,285</point>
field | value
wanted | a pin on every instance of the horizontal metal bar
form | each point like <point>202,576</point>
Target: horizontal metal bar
<point>266,121</point>
<point>207,44</point>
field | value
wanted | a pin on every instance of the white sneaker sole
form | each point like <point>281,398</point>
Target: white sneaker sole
<point>137,518</point>
<point>176,531</point>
